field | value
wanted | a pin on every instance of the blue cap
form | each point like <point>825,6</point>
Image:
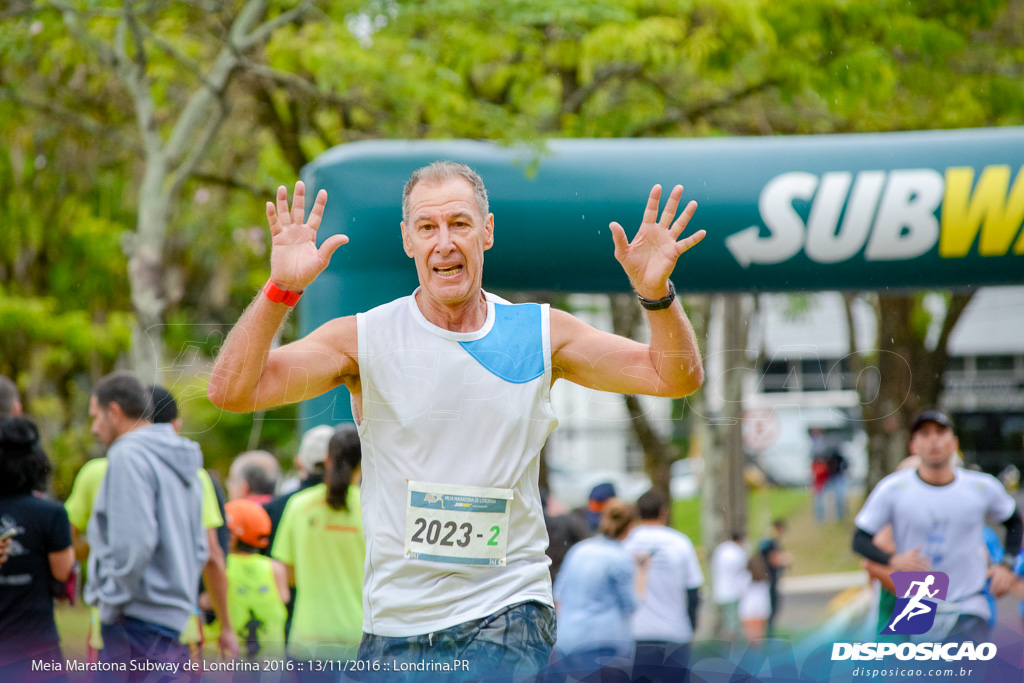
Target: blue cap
<point>599,495</point>
<point>602,492</point>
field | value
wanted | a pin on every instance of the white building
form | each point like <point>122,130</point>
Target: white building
<point>800,379</point>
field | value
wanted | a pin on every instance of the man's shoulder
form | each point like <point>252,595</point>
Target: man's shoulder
<point>499,301</point>
<point>897,481</point>
<point>980,481</point>
<point>674,543</point>
<point>125,448</point>
<point>978,478</point>
<point>152,434</point>
<point>663,534</point>
<point>142,441</point>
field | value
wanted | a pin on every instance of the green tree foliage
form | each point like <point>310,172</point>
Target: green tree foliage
<point>75,146</point>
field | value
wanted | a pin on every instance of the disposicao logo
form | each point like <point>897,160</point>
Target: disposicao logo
<point>914,613</point>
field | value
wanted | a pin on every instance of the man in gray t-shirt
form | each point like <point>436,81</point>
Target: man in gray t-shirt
<point>937,512</point>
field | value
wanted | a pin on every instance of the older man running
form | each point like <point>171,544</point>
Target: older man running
<point>450,388</point>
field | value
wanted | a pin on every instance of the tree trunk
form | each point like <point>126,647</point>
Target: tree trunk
<point>146,273</point>
<point>169,161</point>
<point>901,376</point>
<point>658,454</point>
<point>724,502</point>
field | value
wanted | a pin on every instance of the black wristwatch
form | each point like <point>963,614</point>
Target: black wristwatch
<point>662,303</point>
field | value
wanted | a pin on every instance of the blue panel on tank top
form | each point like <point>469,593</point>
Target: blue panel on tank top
<point>514,348</point>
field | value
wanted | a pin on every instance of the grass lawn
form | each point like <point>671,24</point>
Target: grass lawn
<point>816,548</point>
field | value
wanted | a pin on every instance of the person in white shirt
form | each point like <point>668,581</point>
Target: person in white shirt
<point>666,618</point>
<point>729,579</point>
<point>755,603</point>
<point>450,388</point>
<point>937,512</point>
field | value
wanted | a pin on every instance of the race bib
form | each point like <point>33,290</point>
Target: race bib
<point>457,524</point>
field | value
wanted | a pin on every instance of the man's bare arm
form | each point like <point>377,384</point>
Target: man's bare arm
<point>248,375</point>
<point>671,364</point>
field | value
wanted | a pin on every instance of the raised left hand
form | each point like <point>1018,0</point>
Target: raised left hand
<point>650,258</point>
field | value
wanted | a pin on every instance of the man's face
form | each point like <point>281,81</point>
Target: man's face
<point>447,237</point>
<point>934,444</point>
<point>102,428</point>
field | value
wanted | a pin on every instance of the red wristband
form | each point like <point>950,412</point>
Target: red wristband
<point>281,296</point>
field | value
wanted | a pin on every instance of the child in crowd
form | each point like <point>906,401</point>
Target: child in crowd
<point>257,585</point>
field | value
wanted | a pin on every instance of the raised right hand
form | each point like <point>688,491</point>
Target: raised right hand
<point>294,259</point>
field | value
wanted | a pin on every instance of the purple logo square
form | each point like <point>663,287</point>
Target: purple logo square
<point>916,593</point>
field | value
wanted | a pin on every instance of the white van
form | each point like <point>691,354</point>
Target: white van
<point>776,432</point>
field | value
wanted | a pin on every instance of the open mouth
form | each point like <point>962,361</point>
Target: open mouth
<point>448,271</point>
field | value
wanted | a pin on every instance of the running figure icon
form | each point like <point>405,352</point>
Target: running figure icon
<point>915,607</point>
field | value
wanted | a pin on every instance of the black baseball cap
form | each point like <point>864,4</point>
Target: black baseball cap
<point>931,415</point>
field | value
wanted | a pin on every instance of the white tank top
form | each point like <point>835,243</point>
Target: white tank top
<point>467,409</point>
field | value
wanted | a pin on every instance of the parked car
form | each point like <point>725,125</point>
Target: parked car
<point>786,460</point>
<point>686,478</point>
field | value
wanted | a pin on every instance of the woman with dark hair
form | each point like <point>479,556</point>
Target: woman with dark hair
<point>596,593</point>
<point>320,542</point>
<point>39,551</point>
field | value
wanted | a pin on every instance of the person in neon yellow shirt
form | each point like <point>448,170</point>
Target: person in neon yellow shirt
<point>257,585</point>
<point>79,506</point>
<point>320,542</point>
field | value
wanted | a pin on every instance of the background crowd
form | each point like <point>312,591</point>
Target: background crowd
<point>270,568</point>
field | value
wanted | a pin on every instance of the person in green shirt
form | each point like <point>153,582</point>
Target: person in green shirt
<point>79,506</point>
<point>320,542</point>
<point>257,585</point>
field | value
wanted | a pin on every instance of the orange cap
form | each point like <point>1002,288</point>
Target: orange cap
<point>248,521</point>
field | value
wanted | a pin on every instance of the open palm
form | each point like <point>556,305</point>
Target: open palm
<point>650,258</point>
<point>295,260</point>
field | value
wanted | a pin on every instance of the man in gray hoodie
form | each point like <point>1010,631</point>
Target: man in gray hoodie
<point>148,543</point>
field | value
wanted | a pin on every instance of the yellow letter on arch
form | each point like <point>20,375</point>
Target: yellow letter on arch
<point>994,207</point>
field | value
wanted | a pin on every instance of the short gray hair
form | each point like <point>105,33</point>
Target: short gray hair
<point>259,469</point>
<point>441,172</point>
